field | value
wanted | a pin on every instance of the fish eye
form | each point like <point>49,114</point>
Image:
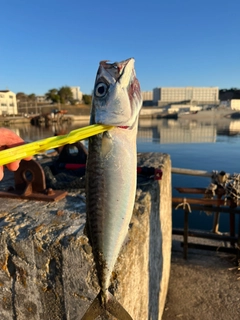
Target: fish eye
<point>101,89</point>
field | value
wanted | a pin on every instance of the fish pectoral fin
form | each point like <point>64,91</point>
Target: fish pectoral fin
<point>94,310</point>
<point>116,309</point>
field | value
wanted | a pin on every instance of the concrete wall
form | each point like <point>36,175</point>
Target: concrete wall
<point>46,263</point>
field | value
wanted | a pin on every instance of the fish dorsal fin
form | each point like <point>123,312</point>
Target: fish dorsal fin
<point>116,309</point>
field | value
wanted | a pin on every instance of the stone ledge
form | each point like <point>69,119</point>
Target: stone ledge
<point>46,264</point>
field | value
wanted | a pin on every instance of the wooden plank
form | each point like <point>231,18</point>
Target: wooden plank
<point>191,190</point>
<point>219,191</point>
<point>191,172</point>
<point>204,235</point>
<point>206,202</point>
<point>208,208</point>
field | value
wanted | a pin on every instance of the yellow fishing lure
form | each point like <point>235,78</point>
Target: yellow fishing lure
<point>32,148</point>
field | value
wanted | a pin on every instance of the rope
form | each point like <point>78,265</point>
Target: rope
<point>184,204</point>
<point>230,184</point>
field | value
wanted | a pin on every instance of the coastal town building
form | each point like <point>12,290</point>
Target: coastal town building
<point>77,94</point>
<point>42,99</point>
<point>183,108</point>
<point>235,104</point>
<point>147,97</point>
<point>192,95</point>
<point>8,102</point>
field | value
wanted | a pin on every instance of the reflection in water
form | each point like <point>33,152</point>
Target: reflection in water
<point>30,133</point>
<point>166,131</point>
<point>180,139</point>
<point>163,131</point>
<point>234,126</point>
<point>219,150</point>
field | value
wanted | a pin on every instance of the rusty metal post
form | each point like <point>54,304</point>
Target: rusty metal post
<point>232,221</point>
<point>216,218</point>
<point>185,234</point>
<point>216,222</point>
<point>238,241</point>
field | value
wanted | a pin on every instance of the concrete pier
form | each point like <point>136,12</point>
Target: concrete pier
<point>46,263</point>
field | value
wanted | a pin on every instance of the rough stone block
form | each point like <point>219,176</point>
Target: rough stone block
<point>46,264</point>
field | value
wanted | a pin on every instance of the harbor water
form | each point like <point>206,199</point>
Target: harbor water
<point>208,144</point>
<point>194,144</point>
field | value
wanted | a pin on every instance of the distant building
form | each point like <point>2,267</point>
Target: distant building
<point>147,97</point>
<point>183,108</point>
<point>77,94</point>
<point>225,104</point>
<point>235,104</point>
<point>8,102</point>
<point>193,95</point>
<point>42,99</point>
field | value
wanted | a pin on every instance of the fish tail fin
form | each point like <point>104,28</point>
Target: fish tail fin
<point>95,309</point>
<point>112,306</point>
<point>116,309</point>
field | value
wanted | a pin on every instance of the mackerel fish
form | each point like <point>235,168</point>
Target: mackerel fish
<point>111,175</point>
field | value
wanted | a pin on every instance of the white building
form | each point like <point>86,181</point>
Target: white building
<point>42,99</point>
<point>147,95</point>
<point>183,108</point>
<point>196,95</point>
<point>235,104</point>
<point>77,94</point>
<point>8,102</point>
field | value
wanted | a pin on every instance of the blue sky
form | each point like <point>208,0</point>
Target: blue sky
<point>51,43</point>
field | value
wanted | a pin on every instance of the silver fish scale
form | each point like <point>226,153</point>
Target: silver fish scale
<point>111,175</point>
<point>111,178</point>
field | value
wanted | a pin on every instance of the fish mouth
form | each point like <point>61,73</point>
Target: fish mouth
<point>116,69</point>
<point>123,127</point>
<point>117,95</point>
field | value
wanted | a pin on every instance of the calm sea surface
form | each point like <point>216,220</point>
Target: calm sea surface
<point>192,143</point>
